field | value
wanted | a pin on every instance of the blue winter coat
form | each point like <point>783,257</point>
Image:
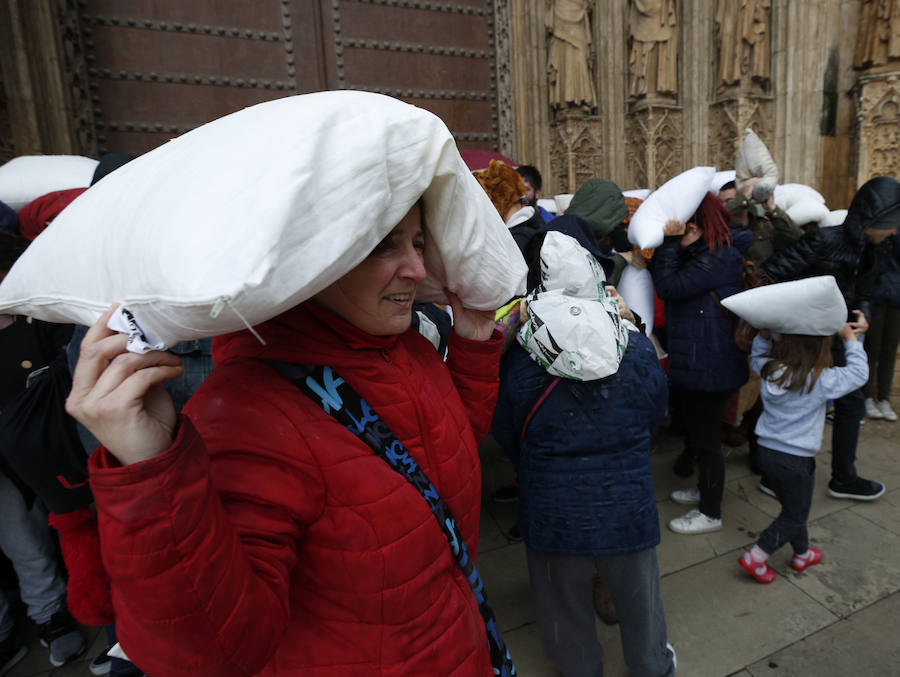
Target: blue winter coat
<point>585,486</point>
<point>702,353</point>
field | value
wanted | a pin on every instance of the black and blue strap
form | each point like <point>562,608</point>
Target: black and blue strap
<point>337,398</point>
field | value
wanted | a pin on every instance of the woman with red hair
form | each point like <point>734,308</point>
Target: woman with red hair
<point>698,264</point>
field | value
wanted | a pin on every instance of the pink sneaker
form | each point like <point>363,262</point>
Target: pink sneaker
<point>801,563</point>
<point>761,571</point>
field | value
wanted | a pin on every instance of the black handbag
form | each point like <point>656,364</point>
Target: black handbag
<point>39,442</point>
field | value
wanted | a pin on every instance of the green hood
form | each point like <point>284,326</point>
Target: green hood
<point>599,202</point>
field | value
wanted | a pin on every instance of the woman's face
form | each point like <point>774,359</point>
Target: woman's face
<point>377,295</point>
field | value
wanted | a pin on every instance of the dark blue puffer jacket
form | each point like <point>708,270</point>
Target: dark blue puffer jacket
<point>585,485</point>
<point>886,290</point>
<point>702,353</point>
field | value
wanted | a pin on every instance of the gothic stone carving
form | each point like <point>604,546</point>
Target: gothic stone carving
<point>653,48</point>
<point>654,146</point>
<point>576,152</point>
<point>878,117</point>
<point>742,40</point>
<point>727,121</point>
<point>569,72</point>
<point>878,34</point>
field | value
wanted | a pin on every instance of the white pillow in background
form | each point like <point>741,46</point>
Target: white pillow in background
<point>789,194</point>
<point>548,204</point>
<point>28,177</point>
<point>807,210</point>
<point>249,215</point>
<point>754,160</point>
<point>636,287</point>
<point>835,218</point>
<point>678,198</point>
<point>813,306</point>
<point>562,202</point>
<point>639,193</point>
<point>720,179</point>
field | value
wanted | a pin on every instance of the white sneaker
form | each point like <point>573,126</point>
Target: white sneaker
<point>686,496</point>
<point>674,655</point>
<point>695,522</point>
<point>873,410</point>
<point>884,406</point>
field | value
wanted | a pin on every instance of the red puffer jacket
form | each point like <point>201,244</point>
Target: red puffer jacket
<point>275,543</point>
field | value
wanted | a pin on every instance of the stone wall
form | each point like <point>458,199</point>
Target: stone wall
<point>677,82</point>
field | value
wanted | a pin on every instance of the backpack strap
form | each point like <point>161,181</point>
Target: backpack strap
<point>326,388</point>
<point>537,405</point>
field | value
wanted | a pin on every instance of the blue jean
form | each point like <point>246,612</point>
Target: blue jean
<point>793,479</point>
<point>562,584</point>
<point>28,542</point>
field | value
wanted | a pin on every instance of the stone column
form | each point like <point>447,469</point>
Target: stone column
<point>610,34</point>
<point>801,51</point>
<point>47,101</point>
<point>530,92</point>
<point>697,73</point>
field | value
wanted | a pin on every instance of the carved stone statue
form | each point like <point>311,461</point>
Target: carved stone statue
<point>653,55</point>
<point>878,39</point>
<point>568,65</point>
<point>742,28</point>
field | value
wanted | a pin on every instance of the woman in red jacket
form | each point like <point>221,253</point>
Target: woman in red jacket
<point>256,535</point>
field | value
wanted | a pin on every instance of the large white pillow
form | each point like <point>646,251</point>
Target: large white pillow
<point>788,194</point>
<point>813,306</point>
<point>677,198</point>
<point>636,287</point>
<point>28,177</point>
<point>806,211</point>
<point>835,218</point>
<point>249,215</point>
<point>720,179</point>
<point>754,160</point>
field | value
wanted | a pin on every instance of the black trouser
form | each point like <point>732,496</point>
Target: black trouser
<point>848,412</point>
<point>702,418</point>
<point>793,479</point>
<point>881,344</point>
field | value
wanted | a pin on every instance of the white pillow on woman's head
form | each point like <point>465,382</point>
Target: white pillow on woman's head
<point>639,193</point>
<point>677,198</point>
<point>245,217</point>
<point>28,177</point>
<point>813,306</point>
<point>720,179</point>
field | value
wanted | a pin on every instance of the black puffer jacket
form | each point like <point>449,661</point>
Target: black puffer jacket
<point>887,286</point>
<point>843,251</point>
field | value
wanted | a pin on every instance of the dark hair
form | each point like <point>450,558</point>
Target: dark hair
<point>532,256</point>
<point>728,186</point>
<point>530,174</point>
<point>11,248</point>
<point>794,357</point>
<point>712,217</point>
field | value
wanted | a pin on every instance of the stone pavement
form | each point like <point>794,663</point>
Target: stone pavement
<point>839,618</point>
